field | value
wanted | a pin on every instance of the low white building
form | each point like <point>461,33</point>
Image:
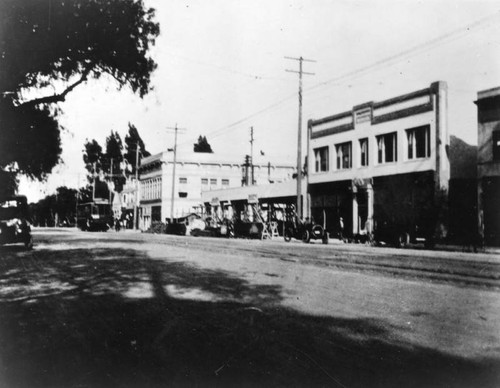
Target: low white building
<point>162,197</point>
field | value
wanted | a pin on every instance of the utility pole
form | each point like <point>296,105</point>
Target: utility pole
<point>93,185</point>
<point>111,175</point>
<point>136,196</point>
<point>299,137</point>
<point>76,200</point>
<point>251,154</point>
<point>176,129</point>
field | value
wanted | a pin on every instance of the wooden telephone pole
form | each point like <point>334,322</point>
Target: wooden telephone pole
<point>251,154</point>
<point>176,129</point>
<point>299,137</point>
<point>136,197</point>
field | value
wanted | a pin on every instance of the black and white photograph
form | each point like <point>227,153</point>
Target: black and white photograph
<point>249,193</point>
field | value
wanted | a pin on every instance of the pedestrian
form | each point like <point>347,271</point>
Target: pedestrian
<point>341,229</point>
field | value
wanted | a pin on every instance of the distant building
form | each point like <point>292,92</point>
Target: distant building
<point>123,202</point>
<point>382,166</point>
<point>488,166</point>
<point>194,173</point>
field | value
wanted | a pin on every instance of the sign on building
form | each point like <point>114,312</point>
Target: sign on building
<point>253,198</point>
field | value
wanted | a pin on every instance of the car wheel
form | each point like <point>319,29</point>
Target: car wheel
<point>306,236</point>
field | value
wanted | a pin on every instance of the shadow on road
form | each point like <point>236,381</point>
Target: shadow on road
<point>116,318</point>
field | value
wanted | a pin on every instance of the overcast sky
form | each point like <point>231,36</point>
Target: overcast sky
<point>221,70</point>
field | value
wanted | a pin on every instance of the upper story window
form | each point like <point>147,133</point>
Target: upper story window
<point>321,159</point>
<point>151,189</point>
<point>363,152</point>
<point>419,143</point>
<point>183,180</point>
<point>213,181</point>
<point>204,181</point>
<point>387,147</point>
<point>344,155</point>
<point>183,194</point>
<point>225,182</point>
<point>495,136</point>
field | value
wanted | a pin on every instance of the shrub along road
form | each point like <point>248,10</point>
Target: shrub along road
<point>135,310</point>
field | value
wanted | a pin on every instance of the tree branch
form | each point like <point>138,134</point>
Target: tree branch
<point>57,97</point>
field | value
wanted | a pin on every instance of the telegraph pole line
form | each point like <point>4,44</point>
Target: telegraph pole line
<point>93,182</point>
<point>176,129</point>
<point>299,137</point>
<point>111,177</point>
<point>136,196</point>
<point>251,154</point>
<point>76,200</point>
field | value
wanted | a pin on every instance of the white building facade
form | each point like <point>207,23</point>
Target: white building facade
<point>163,197</point>
<point>380,162</point>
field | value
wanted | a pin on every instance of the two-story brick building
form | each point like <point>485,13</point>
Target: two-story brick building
<point>382,165</point>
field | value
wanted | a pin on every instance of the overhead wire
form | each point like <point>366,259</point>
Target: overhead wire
<point>391,60</point>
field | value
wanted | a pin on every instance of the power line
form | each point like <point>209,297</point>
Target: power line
<point>443,39</point>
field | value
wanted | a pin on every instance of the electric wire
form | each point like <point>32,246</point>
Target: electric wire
<point>391,60</point>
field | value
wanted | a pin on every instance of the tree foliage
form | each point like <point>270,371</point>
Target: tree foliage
<point>116,164</point>
<point>62,44</point>
<point>94,160</point>
<point>113,166</point>
<point>132,139</point>
<point>59,208</point>
<point>92,156</point>
<point>202,145</point>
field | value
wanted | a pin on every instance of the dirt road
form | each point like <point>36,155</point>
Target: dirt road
<point>135,310</point>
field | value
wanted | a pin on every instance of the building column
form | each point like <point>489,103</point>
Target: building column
<point>369,219</point>
<point>355,215</point>
<point>480,211</point>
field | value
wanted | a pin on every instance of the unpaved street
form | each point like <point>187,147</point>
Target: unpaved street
<point>139,310</point>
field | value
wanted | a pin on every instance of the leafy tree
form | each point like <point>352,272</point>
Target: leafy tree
<point>92,156</point>
<point>94,163</point>
<point>202,145</point>
<point>60,207</point>
<point>62,44</point>
<point>113,160</point>
<point>132,139</point>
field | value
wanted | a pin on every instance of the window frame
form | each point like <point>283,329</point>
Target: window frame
<point>343,153</point>
<point>321,159</point>
<point>414,143</point>
<point>382,149</point>
<point>364,152</point>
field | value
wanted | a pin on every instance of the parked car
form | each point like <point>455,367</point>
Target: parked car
<point>14,225</point>
<point>305,231</point>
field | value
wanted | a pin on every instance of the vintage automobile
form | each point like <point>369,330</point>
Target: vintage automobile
<point>14,225</point>
<point>305,231</point>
